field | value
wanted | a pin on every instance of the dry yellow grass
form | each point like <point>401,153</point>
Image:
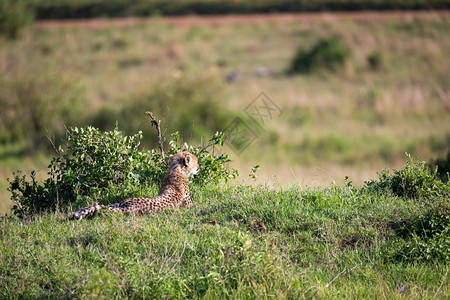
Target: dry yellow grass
<point>353,122</point>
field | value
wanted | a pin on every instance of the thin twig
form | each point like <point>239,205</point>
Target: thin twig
<point>179,258</point>
<point>157,124</point>
<point>205,147</point>
<point>51,139</point>
<point>442,283</point>
<point>338,275</point>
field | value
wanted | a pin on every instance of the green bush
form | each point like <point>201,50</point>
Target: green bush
<point>14,15</point>
<point>415,181</point>
<point>423,234</point>
<point>106,166</point>
<point>424,238</point>
<point>375,60</point>
<point>442,167</point>
<point>329,53</point>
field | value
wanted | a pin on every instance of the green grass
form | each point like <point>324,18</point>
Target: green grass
<point>240,242</point>
<point>248,242</point>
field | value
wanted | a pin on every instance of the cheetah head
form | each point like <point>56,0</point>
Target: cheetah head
<point>187,161</point>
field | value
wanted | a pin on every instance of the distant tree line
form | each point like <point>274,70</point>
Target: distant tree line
<point>17,14</point>
<point>66,9</point>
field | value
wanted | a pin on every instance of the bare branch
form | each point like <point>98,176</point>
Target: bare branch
<point>51,139</point>
<point>157,124</point>
<point>205,147</point>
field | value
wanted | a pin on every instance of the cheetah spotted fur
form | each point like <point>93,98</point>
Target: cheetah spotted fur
<point>174,191</point>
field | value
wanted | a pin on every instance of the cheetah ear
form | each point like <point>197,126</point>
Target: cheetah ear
<point>187,160</point>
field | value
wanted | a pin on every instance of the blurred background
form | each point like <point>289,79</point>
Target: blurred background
<point>356,83</point>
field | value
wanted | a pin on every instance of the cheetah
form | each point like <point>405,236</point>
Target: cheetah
<point>174,191</point>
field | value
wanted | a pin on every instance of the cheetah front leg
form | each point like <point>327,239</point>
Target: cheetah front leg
<point>187,202</point>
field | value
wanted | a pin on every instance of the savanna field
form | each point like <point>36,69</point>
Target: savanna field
<point>312,214</point>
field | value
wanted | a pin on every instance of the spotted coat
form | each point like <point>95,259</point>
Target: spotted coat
<point>174,191</point>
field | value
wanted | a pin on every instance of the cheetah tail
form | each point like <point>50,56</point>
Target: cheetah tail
<point>80,214</point>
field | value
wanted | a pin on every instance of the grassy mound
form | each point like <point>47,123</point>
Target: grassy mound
<point>239,242</point>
